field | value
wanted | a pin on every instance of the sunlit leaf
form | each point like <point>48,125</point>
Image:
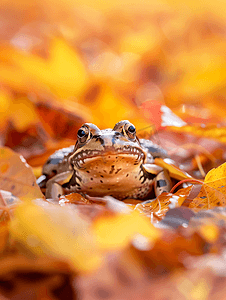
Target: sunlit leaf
<point>210,131</point>
<point>173,170</point>
<point>141,42</point>
<point>46,229</point>
<point>4,107</point>
<point>20,112</point>
<point>156,209</point>
<point>210,232</point>
<point>63,72</point>
<point>202,75</point>
<point>115,232</point>
<point>110,108</point>
<point>213,191</point>
<point>73,198</point>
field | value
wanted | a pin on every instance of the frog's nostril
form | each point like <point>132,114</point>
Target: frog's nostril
<point>99,139</point>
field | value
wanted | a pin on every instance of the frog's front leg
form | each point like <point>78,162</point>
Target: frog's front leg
<point>54,187</point>
<point>162,183</point>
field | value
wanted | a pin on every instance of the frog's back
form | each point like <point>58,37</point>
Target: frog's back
<point>153,149</point>
<point>58,161</point>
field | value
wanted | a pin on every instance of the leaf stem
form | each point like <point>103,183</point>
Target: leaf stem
<point>185,180</point>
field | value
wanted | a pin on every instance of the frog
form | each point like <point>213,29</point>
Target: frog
<point>110,162</point>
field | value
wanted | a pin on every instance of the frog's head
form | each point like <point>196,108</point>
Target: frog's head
<point>109,150</point>
<point>107,160</point>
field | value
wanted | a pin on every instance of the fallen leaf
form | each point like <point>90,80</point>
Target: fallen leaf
<point>174,172</point>
<point>47,278</point>
<point>17,176</point>
<point>110,108</point>
<point>59,232</point>
<point>213,191</point>
<point>59,73</point>
<point>212,131</point>
<point>160,115</point>
<point>156,209</point>
<point>73,198</point>
<point>117,231</point>
<point>62,120</point>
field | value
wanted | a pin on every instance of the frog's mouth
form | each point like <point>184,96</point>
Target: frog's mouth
<point>130,154</point>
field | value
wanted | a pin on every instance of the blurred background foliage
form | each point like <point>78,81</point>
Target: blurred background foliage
<point>65,63</point>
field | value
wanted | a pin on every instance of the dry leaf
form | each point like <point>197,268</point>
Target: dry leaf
<point>174,172</point>
<point>156,209</point>
<point>213,191</point>
<point>17,176</point>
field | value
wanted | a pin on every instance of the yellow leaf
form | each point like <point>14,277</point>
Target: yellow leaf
<point>196,289</point>
<point>141,42</point>
<point>209,131</point>
<point>68,75</point>
<point>63,73</point>
<point>48,230</point>
<point>216,174</point>
<point>110,108</point>
<point>213,191</point>
<point>22,113</point>
<point>210,232</point>
<point>173,171</point>
<point>4,108</point>
<point>115,232</point>
<point>200,291</point>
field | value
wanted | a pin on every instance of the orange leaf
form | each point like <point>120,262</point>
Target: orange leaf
<point>160,115</point>
<point>73,198</point>
<point>157,208</point>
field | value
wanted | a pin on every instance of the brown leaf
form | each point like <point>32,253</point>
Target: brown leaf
<point>47,278</point>
<point>62,120</point>
<point>17,176</point>
<point>193,153</point>
<point>156,209</point>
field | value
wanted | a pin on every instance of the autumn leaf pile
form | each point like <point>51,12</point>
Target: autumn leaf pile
<point>159,64</point>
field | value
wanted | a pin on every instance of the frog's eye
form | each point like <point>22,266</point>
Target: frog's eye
<point>83,134</point>
<point>130,130</point>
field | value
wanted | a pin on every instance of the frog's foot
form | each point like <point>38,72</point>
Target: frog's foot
<point>41,181</point>
<point>162,183</point>
<point>54,187</point>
